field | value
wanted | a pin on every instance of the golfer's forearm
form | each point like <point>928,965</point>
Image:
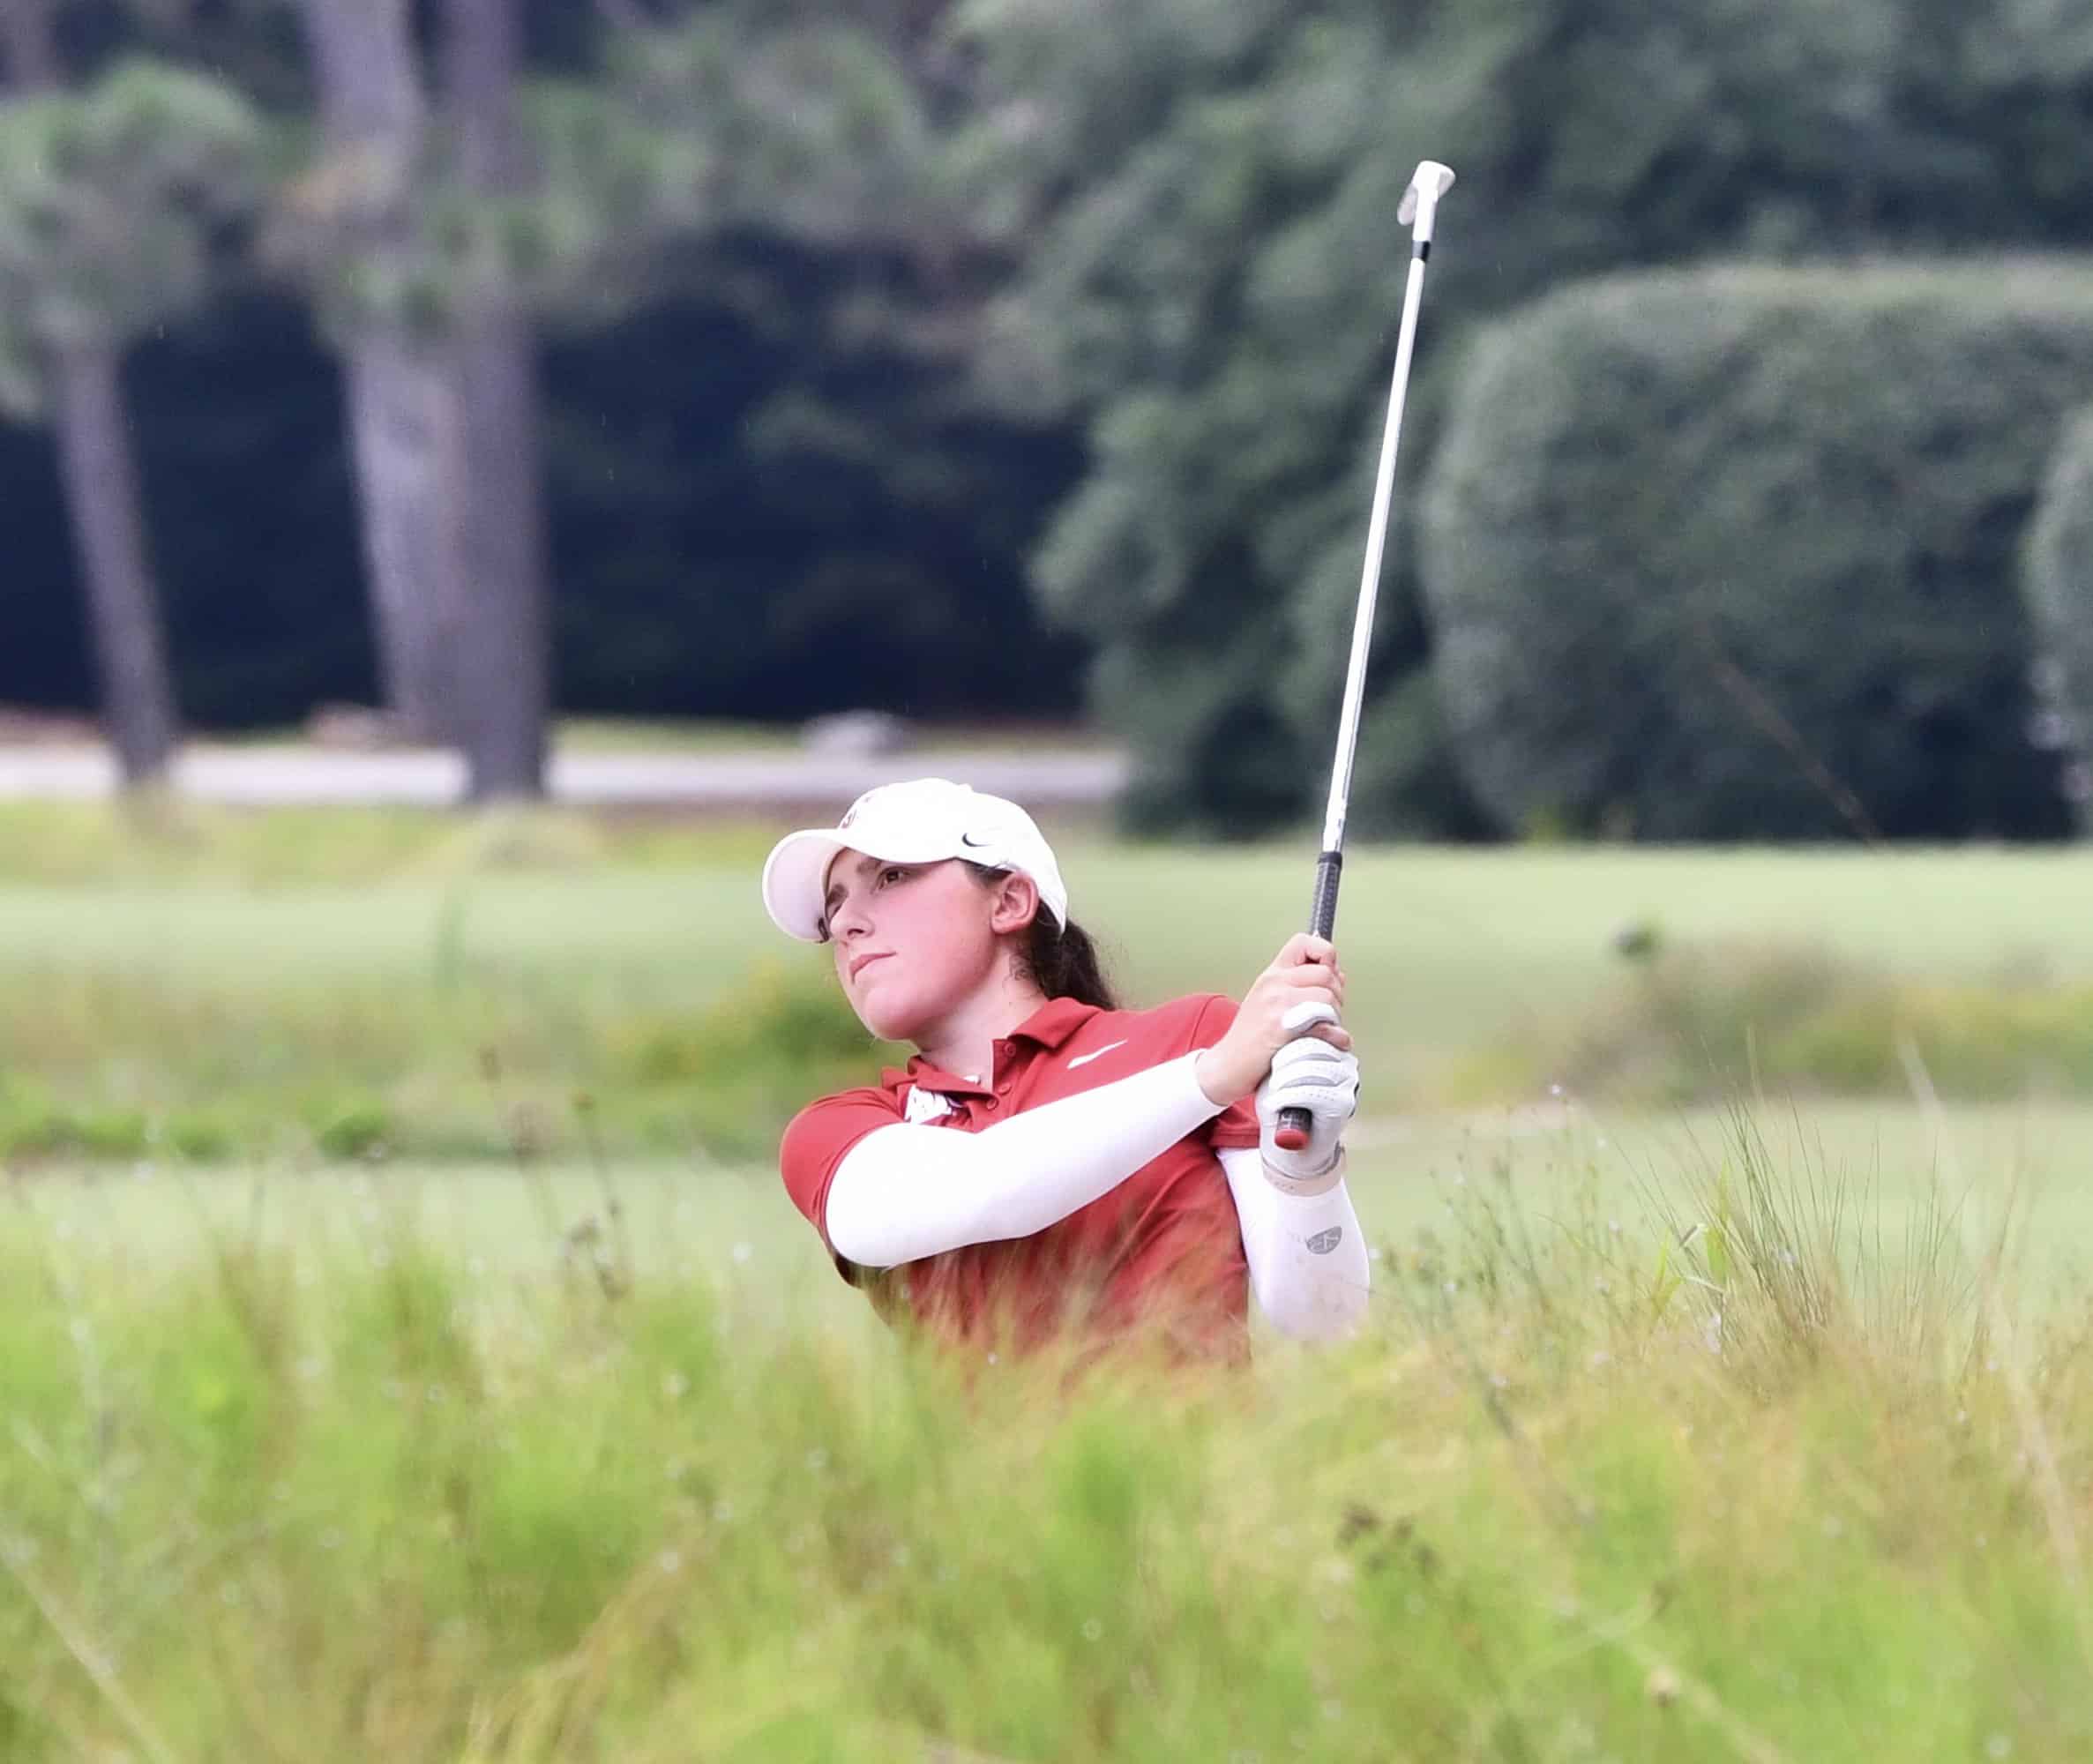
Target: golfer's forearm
<point>1307,1255</point>
<point>907,1191</point>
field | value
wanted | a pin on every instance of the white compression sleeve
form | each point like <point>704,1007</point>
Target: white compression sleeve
<point>1313,1285</point>
<point>905,1192</point>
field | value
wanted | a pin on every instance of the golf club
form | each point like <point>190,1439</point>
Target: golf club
<point>1420,203</point>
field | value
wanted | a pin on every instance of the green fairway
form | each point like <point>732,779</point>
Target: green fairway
<point>368,971</point>
<point>2031,1166</point>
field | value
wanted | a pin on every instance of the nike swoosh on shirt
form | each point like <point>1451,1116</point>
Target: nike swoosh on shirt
<point>1085,1058</point>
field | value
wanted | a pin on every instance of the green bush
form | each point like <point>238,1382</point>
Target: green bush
<point>1732,553</point>
<point>777,1016</point>
<point>350,1127</point>
<point>727,1078</point>
<point>35,1123</point>
<point>101,1067</point>
<point>2057,578</point>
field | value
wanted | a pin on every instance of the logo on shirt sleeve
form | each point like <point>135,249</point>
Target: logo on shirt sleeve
<point>1324,1242</point>
<point>1085,1058</point>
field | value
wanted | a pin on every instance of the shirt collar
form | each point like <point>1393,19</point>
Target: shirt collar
<point>1051,1025</point>
<point>1054,1021</point>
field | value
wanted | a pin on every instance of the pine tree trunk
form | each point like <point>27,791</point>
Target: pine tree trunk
<point>30,37</point>
<point>102,498</point>
<point>102,492</point>
<point>505,668</point>
<point>405,430</point>
<point>504,665</point>
<point>401,391</point>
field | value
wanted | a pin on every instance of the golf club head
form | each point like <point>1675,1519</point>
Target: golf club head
<point>1429,182</point>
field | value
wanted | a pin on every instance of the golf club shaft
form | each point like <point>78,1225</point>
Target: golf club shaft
<point>1291,1133</point>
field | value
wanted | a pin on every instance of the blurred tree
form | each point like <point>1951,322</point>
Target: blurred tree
<point>1199,197</point>
<point>793,118</point>
<point>763,179</point>
<point>1731,554</point>
<point>358,236</point>
<point>752,428</point>
<point>570,203</point>
<point>110,201</point>
<point>785,453</point>
<point>504,664</point>
<point>2057,580</point>
<point>1129,161</point>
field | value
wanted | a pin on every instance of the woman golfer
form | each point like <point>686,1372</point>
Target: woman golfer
<point>1050,1162</point>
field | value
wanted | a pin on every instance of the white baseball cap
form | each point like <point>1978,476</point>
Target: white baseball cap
<point>922,821</point>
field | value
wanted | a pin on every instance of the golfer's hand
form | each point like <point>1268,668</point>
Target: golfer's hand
<point>1311,1074</point>
<point>1298,996</point>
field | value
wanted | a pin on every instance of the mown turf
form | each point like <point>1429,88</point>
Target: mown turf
<point>228,985</point>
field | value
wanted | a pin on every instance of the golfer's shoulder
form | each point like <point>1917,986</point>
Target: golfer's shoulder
<point>817,1139</point>
<point>830,1124</point>
<point>1197,1020</point>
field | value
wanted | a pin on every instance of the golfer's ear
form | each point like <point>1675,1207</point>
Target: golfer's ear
<point>1017,904</point>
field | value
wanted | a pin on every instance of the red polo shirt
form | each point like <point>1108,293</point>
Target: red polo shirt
<point>1162,1250</point>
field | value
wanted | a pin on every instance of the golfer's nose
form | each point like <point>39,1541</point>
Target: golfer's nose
<point>849,920</point>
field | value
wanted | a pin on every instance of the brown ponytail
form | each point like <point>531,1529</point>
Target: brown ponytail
<point>1063,963</point>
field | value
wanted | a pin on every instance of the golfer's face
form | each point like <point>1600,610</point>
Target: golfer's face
<point>910,939</point>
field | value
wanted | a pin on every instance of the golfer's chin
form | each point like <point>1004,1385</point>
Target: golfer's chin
<point>887,1019</point>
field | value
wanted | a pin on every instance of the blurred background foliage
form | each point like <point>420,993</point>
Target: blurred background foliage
<point>1612,658</point>
<point>974,358</point>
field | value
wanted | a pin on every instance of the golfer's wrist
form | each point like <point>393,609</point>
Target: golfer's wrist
<point>1218,1079</point>
<point>1282,1172</point>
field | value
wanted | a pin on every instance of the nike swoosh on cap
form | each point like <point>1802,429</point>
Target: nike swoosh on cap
<point>1085,1058</point>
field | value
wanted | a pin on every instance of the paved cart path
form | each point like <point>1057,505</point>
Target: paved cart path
<point>259,775</point>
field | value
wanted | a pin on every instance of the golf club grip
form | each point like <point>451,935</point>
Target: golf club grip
<point>1322,914</point>
<point>1292,1131</point>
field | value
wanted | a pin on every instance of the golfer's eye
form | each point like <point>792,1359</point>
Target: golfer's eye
<point>892,871</point>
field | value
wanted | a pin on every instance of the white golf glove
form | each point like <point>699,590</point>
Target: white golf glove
<point>1308,1074</point>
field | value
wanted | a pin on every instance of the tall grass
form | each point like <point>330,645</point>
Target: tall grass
<point>1731,1477</point>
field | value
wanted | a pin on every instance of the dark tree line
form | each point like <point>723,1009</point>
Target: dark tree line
<point>717,355</point>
